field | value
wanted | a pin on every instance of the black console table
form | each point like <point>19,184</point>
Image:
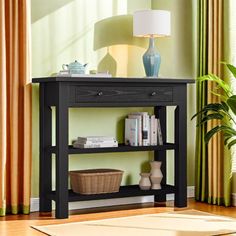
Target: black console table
<point>63,93</point>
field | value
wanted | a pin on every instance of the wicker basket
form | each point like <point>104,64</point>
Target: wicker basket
<point>95,181</point>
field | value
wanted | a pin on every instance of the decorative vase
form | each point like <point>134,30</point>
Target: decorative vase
<point>156,174</point>
<point>151,60</point>
<point>145,183</point>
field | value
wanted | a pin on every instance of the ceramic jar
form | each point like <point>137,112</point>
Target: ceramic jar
<point>156,174</point>
<point>145,183</point>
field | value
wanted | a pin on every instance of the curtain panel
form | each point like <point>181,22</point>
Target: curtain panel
<point>15,107</point>
<point>213,163</point>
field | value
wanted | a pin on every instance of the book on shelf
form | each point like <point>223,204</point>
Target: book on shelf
<point>139,120</point>
<point>148,120</point>
<point>145,127</point>
<point>98,75</point>
<point>95,139</point>
<point>66,73</point>
<point>153,131</point>
<point>94,142</point>
<point>131,132</point>
<point>142,129</point>
<point>104,144</point>
<point>159,133</point>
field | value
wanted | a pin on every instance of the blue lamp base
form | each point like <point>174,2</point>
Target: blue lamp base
<point>151,60</point>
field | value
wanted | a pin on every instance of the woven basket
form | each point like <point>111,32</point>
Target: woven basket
<point>95,181</point>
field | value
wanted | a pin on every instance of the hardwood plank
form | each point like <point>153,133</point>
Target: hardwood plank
<point>19,225</point>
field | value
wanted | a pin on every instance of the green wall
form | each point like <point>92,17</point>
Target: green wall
<point>62,31</point>
<point>178,61</point>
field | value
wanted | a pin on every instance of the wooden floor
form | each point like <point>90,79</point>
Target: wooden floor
<point>20,225</point>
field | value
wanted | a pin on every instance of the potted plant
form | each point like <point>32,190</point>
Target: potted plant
<point>224,111</point>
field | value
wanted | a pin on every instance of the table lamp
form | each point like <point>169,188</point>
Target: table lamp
<point>151,23</point>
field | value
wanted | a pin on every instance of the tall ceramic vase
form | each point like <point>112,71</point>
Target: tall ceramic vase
<point>156,175</point>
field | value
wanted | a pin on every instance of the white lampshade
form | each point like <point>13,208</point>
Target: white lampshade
<point>151,22</point>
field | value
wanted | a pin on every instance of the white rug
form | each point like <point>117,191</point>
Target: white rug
<point>178,223</point>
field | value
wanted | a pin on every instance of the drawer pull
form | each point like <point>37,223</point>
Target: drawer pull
<point>153,93</point>
<point>100,93</point>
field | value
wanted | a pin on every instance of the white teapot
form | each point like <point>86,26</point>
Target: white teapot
<point>75,67</point>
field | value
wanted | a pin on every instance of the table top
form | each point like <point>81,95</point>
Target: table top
<point>113,79</point>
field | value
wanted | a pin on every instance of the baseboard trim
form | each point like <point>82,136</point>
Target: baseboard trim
<point>111,202</point>
<point>233,199</point>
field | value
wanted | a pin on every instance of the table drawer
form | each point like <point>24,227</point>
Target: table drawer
<point>84,94</point>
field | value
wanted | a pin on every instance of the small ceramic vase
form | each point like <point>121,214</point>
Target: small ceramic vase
<point>156,175</point>
<point>145,183</point>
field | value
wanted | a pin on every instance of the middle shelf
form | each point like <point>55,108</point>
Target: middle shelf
<point>120,148</point>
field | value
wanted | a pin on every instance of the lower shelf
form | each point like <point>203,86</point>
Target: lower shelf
<point>125,191</point>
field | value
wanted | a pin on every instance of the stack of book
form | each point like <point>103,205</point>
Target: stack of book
<point>66,73</point>
<point>95,142</point>
<point>141,129</point>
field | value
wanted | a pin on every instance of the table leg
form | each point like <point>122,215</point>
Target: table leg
<point>62,156</point>
<point>160,155</point>
<point>181,156</point>
<point>45,162</point>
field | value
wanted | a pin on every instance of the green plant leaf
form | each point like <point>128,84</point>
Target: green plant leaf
<point>219,128</point>
<point>212,107</point>
<point>226,140</point>
<point>222,84</point>
<point>227,137</point>
<point>232,103</point>
<point>232,69</point>
<point>220,111</point>
<point>214,116</point>
<point>226,108</point>
<point>231,143</point>
<point>222,97</point>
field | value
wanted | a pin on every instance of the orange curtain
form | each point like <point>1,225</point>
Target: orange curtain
<point>213,163</point>
<point>216,145</point>
<point>15,106</point>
